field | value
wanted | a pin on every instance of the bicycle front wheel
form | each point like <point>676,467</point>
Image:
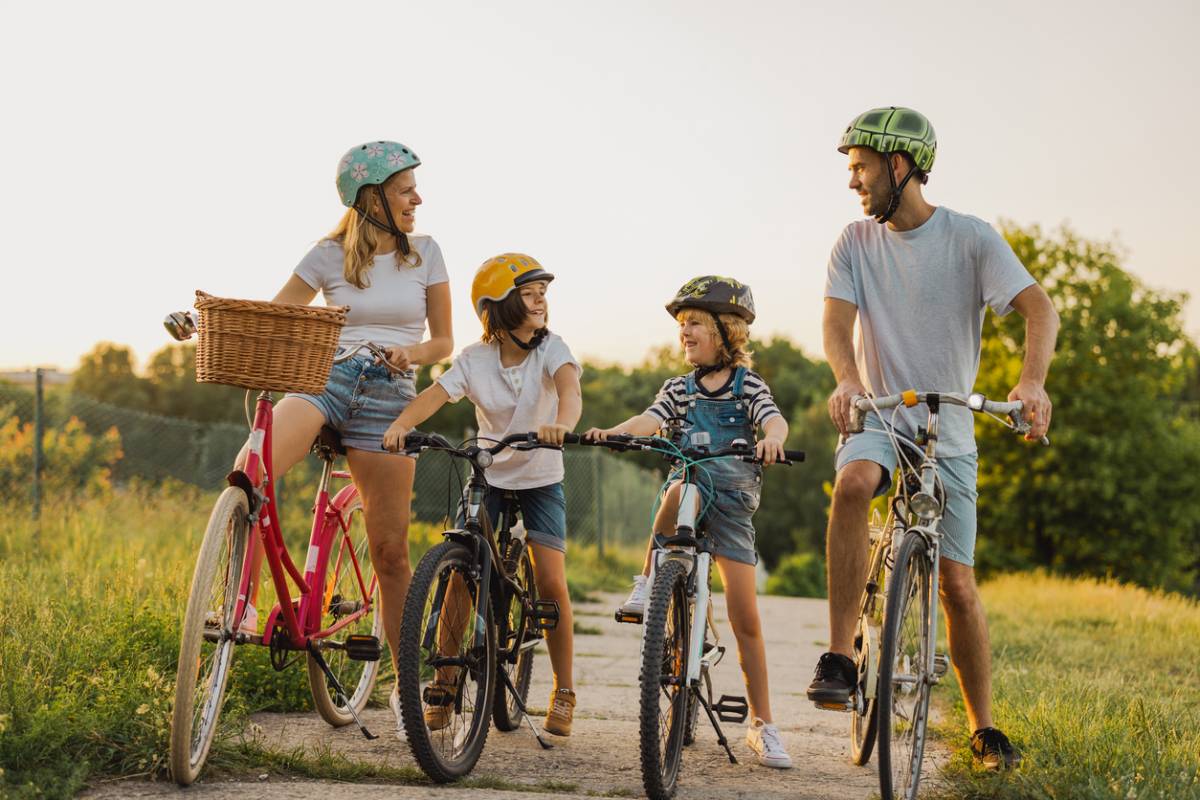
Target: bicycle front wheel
<point>207,637</point>
<point>664,691</point>
<point>344,596</point>
<point>517,640</point>
<point>446,663</point>
<point>904,679</point>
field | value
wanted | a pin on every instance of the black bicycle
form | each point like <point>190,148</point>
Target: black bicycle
<point>471,622</point>
<point>677,650</point>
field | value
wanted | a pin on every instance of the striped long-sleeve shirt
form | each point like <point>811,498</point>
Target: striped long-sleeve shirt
<point>672,397</point>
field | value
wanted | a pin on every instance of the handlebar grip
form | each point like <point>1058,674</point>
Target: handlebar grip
<point>572,438</point>
<point>793,455</point>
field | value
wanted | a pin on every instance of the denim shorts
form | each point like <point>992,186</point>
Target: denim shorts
<point>725,518</point>
<point>362,399</point>
<point>543,512</point>
<point>959,477</point>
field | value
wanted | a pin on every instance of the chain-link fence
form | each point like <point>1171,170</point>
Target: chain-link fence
<point>608,499</point>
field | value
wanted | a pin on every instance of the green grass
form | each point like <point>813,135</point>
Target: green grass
<point>1098,684</point>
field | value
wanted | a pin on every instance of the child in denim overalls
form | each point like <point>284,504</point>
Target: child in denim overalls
<point>725,399</point>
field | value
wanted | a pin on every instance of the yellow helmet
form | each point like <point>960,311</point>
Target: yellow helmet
<point>498,276</point>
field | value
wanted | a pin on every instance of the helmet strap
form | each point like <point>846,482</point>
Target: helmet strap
<point>534,340</point>
<point>897,190</point>
<point>390,226</point>
<point>724,334</point>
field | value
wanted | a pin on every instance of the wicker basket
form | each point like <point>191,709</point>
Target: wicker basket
<point>271,346</point>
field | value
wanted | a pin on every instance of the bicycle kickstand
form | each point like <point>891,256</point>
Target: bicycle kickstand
<point>524,711</point>
<point>712,717</point>
<point>336,685</point>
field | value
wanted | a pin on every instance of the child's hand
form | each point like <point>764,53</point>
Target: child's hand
<point>552,434</point>
<point>599,434</point>
<point>393,437</point>
<point>769,450</point>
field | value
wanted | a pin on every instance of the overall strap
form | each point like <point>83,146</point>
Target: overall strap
<point>690,387</point>
<point>739,377</point>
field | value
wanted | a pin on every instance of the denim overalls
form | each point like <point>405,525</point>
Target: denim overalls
<point>733,488</point>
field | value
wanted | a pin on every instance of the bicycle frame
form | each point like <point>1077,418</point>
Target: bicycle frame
<point>301,616</point>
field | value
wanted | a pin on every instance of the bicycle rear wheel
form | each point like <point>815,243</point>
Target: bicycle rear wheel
<point>664,692</point>
<point>904,681</point>
<point>207,636</point>
<point>515,646</point>
<point>344,596</point>
<point>446,664</point>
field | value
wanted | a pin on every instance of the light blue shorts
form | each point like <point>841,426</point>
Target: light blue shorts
<point>959,477</point>
<point>361,400</point>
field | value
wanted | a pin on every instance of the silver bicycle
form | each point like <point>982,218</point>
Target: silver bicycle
<point>895,641</point>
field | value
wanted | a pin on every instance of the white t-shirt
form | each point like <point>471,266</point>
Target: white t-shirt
<point>921,296</point>
<point>391,311</point>
<point>512,400</point>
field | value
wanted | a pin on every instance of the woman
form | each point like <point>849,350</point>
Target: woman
<point>394,283</point>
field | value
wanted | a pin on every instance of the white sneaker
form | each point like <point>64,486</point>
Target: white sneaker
<point>764,740</point>
<point>636,602</point>
<point>394,702</point>
<point>249,621</point>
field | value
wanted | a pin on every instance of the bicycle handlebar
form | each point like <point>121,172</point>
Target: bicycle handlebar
<point>975,402</point>
<point>623,442</point>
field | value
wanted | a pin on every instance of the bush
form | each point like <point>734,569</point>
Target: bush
<point>798,575</point>
<point>76,462</point>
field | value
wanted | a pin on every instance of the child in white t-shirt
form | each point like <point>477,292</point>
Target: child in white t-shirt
<point>521,378</point>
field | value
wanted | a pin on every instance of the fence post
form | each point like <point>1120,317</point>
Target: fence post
<point>38,426</point>
<point>599,502</point>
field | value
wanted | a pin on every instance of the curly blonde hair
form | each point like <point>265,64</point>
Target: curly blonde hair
<point>360,243</point>
<point>736,329</point>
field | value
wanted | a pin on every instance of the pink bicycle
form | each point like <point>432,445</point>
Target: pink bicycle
<point>331,620</point>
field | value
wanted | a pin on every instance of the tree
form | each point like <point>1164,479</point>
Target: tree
<point>173,391</point>
<point>1115,493</point>
<point>106,373</point>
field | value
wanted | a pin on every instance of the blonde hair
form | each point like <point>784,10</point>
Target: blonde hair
<point>736,329</point>
<point>360,242</point>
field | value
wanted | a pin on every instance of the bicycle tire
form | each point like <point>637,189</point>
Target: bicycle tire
<point>214,589</point>
<point>342,590</point>
<point>516,628</point>
<point>450,751</point>
<point>903,701</point>
<point>664,675</point>
<point>864,726</point>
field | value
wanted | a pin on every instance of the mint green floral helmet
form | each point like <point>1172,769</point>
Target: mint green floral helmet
<point>371,163</point>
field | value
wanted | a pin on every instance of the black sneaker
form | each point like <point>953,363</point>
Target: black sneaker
<point>993,751</point>
<point>833,681</point>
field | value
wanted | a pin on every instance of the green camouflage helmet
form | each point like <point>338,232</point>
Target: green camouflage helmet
<point>715,294</point>
<point>893,130</point>
<point>371,163</point>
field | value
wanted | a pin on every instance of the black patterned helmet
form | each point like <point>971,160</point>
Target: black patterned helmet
<point>715,294</point>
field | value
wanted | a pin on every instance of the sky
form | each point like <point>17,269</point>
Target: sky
<point>152,149</point>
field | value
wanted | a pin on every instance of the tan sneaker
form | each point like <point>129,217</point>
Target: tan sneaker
<point>562,711</point>
<point>439,708</point>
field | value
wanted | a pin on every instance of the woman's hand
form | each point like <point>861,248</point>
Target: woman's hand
<point>398,359</point>
<point>394,436</point>
<point>552,434</point>
<point>769,450</point>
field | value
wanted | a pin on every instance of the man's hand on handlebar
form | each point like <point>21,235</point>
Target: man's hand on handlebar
<point>1035,410</point>
<point>839,403</point>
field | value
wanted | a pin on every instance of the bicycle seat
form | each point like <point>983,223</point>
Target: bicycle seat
<point>330,441</point>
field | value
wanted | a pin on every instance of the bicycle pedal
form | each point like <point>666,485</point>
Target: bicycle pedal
<point>731,708</point>
<point>633,617</point>
<point>361,647</point>
<point>545,615</point>
<point>847,706</point>
<point>941,665</point>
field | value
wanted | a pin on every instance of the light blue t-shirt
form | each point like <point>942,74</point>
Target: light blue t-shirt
<point>921,298</point>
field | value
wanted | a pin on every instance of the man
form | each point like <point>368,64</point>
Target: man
<point>919,279</point>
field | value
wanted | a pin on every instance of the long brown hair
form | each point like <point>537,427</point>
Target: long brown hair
<point>360,243</point>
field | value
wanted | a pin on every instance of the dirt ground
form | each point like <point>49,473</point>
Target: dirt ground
<point>601,757</point>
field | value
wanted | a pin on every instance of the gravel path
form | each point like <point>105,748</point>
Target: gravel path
<point>601,758</point>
